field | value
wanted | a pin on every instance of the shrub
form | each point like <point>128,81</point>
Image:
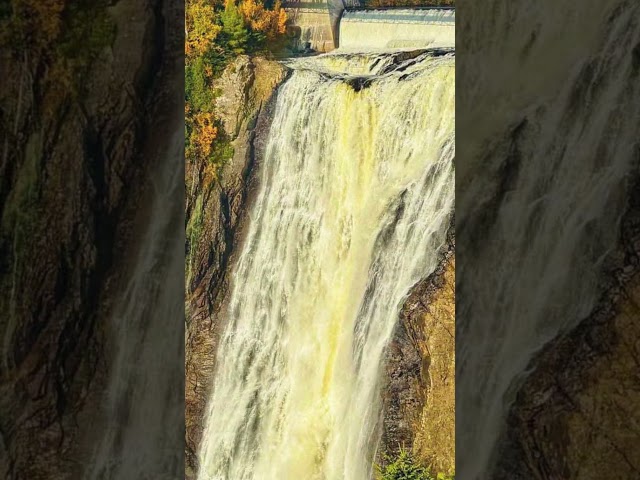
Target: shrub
<point>405,467</point>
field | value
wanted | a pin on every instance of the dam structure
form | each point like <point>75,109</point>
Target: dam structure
<point>323,25</point>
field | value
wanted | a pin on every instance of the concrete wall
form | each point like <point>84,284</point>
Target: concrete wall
<point>359,36</point>
<point>316,22</point>
<point>321,24</point>
<point>397,28</point>
<point>311,26</point>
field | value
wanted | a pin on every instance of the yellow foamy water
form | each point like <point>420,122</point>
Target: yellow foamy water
<point>355,198</point>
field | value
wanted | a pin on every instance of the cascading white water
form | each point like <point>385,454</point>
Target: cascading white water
<point>356,195</point>
<point>551,164</point>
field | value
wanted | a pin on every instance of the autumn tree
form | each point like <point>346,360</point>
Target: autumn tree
<point>204,134</point>
<point>201,27</point>
<point>269,23</point>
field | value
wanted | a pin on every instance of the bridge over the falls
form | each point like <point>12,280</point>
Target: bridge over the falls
<point>323,25</point>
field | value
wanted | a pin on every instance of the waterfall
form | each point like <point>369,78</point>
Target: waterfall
<point>356,195</point>
<point>541,193</point>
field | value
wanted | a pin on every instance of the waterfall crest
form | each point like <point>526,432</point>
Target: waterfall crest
<point>356,195</point>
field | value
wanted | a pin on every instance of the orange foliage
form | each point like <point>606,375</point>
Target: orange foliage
<point>203,23</point>
<point>210,172</point>
<point>259,19</point>
<point>282,18</point>
<point>204,133</point>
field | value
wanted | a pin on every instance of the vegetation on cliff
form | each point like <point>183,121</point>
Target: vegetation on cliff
<point>406,467</point>
<point>42,39</point>
<point>61,36</point>
<point>216,32</point>
<point>420,394</point>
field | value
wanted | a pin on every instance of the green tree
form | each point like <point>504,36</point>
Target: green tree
<point>235,33</point>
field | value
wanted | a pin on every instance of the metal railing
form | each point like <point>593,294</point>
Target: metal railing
<point>311,5</point>
<point>408,7</point>
<point>355,5</point>
<point>405,15</point>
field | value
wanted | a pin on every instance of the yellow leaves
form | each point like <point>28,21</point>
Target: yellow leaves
<point>211,34</point>
<point>202,22</point>
<point>210,172</point>
<point>254,15</point>
<point>201,27</point>
<point>259,19</point>
<point>204,133</point>
<point>201,142</point>
<point>282,20</point>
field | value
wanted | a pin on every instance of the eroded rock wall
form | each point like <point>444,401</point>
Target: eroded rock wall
<point>419,395</point>
<point>82,102</point>
<point>246,102</point>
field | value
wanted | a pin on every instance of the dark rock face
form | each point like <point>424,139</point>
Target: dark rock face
<point>248,99</point>
<point>419,391</point>
<point>405,392</point>
<point>577,414</point>
<point>77,135</point>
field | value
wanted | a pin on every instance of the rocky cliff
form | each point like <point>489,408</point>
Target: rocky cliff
<point>419,392</point>
<point>216,205</point>
<point>86,86</point>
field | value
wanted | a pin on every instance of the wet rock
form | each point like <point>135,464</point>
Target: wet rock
<point>419,395</point>
<point>246,106</point>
